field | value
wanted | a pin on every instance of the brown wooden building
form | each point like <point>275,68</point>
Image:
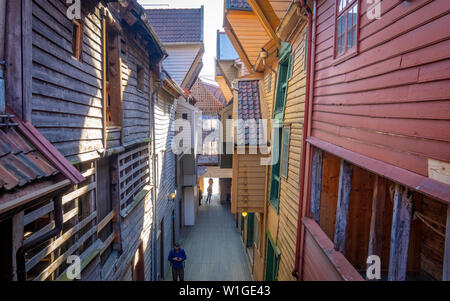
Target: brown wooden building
<point>378,149</point>
<point>89,90</point>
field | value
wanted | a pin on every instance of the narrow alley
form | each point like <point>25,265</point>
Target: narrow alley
<point>214,246</point>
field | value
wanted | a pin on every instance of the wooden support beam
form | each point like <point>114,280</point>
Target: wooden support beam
<point>377,221</point>
<point>316,183</point>
<point>17,239</point>
<point>263,19</point>
<point>345,188</point>
<point>27,63</point>
<point>401,227</point>
<point>238,46</point>
<point>446,270</point>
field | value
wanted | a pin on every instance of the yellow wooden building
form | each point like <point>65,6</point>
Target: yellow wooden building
<point>270,38</point>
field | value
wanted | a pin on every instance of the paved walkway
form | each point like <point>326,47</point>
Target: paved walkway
<point>214,247</point>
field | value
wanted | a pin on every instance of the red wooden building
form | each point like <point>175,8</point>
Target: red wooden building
<point>377,172</point>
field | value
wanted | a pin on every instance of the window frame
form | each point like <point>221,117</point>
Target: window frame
<point>77,40</point>
<point>140,78</point>
<point>348,53</point>
<point>283,143</point>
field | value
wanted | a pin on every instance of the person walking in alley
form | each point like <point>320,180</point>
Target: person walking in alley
<point>200,195</point>
<point>210,191</point>
<point>177,256</point>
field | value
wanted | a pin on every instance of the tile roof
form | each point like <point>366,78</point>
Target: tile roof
<point>20,162</point>
<point>177,25</point>
<point>249,109</point>
<point>238,5</point>
<point>206,100</point>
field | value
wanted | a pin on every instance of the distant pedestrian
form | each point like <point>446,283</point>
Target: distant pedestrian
<point>177,256</point>
<point>210,191</point>
<point>200,196</point>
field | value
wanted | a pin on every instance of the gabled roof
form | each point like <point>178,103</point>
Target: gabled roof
<point>26,156</point>
<point>249,110</point>
<point>177,25</point>
<point>238,5</point>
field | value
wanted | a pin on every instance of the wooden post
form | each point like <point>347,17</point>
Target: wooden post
<point>316,183</point>
<point>446,271</point>
<point>27,63</point>
<point>13,57</point>
<point>377,220</point>
<point>17,239</point>
<point>401,226</point>
<point>345,188</point>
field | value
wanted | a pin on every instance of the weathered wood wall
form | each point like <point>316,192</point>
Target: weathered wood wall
<point>290,186</point>
<point>249,182</point>
<point>67,97</point>
<point>389,102</point>
<point>165,109</point>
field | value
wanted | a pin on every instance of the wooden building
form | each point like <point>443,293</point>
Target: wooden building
<point>182,33</point>
<point>86,86</point>
<point>279,66</point>
<point>376,179</point>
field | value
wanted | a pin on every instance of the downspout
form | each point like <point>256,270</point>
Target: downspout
<point>2,55</point>
<point>154,175</point>
<point>20,255</point>
<point>308,99</point>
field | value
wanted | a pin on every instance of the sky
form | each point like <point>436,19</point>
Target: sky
<point>213,22</point>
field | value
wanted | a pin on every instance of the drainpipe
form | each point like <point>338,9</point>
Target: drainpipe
<point>2,55</point>
<point>308,100</point>
<point>154,175</point>
<point>20,255</point>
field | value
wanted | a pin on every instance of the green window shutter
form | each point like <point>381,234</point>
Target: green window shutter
<point>285,157</point>
<point>275,181</point>
<point>272,260</point>
<point>291,67</point>
<point>250,229</point>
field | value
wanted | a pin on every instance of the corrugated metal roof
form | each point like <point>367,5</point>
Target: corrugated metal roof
<point>177,25</point>
<point>20,162</point>
<point>249,110</point>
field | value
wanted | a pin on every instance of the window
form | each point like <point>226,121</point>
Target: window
<point>140,78</point>
<point>291,67</point>
<point>113,79</point>
<point>346,27</point>
<point>280,104</point>
<point>77,40</point>
<point>285,156</point>
<point>185,116</point>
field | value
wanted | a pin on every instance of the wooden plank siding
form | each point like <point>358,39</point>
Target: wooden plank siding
<point>135,101</point>
<point>290,186</point>
<point>390,101</point>
<point>165,108</point>
<point>67,96</point>
<point>180,60</point>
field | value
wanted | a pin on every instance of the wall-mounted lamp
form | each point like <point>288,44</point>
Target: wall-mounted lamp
<point>244,214</point>
<point>172,196</point>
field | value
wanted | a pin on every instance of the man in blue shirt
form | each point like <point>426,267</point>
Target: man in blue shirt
<point>177,256</point>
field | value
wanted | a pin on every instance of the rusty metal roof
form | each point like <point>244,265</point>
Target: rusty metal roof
<point>20,162</point>
<point>249,110</point>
